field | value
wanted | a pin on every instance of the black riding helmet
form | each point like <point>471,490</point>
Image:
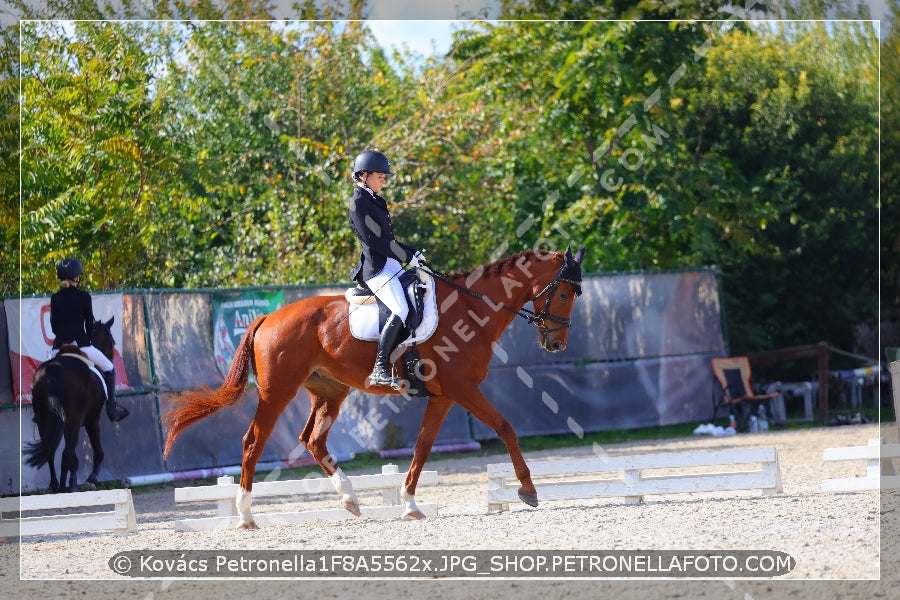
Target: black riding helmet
<point>70,268</point>
<point>371,161</point>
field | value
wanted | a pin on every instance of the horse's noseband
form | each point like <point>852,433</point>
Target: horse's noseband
<point>539,318</point>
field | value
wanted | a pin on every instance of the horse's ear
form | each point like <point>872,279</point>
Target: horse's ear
<point>580,255</point>
<point>569,252</point>
<point>110,322</point>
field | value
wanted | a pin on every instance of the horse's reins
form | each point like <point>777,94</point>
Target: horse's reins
<point>530,316</point>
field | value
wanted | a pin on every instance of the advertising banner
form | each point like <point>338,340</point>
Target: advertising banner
<point>31,338</point>
<point>232,315</point>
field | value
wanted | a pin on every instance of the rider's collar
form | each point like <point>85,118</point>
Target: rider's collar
<point>365,187</point>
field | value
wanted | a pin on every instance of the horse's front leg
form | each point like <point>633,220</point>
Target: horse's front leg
<point>435,412</point>
<point>475,402</point>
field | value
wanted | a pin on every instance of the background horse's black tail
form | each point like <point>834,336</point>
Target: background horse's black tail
<point>49,419</point>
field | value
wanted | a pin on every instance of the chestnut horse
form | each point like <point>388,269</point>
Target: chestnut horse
<point>308,343</point>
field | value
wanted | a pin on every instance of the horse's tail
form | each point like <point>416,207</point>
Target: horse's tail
<point>37,454</point>
<point>50,418</point>
<point>192,406</point>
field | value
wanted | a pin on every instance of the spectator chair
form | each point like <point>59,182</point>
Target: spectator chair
<point>733,375</point>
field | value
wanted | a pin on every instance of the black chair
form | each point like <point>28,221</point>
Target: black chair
<point>733,374</point>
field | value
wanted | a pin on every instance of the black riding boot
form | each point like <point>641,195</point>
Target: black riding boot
<point>113,410</point>
<point>381,372</point>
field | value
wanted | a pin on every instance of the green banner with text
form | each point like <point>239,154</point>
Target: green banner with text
<point>232,315</point>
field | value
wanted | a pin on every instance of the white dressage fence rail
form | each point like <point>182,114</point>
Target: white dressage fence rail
<point>879,470</point>
<point>225,492</point>
<point>878,454</point>
<point>634,482</point>
<point>121,519</point>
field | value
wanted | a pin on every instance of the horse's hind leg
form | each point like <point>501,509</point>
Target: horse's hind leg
<point>271,405</point>
<point>326,397</point>
<point>51,433</point>
<point>93,432</point>
<point>47,434</point>
<point>69,464</point>
<point>54,482</point>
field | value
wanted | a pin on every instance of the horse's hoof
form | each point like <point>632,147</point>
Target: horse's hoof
<point>352,508</point>
<point>415,514</point>
<point>89,487</point>
<point>528,498</point>
<point>250,525</point>
<point>92,479</point>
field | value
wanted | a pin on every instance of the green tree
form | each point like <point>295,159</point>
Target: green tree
<point>792,118</point>
<point>890,182</point>
<point>590,153</point>
<point>9,162</point>
<point>272,118</point>
<point>666,145</point>
<point>218,153</point>
<point>92,159</point>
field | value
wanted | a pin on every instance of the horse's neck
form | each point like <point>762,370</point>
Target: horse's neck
<point>513,285</point>
<point>102,343</point>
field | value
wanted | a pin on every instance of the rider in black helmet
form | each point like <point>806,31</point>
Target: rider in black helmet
<point>381,259</point>
<point>72,322</point>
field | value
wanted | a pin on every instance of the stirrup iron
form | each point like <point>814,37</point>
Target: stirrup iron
<point>380,377</point>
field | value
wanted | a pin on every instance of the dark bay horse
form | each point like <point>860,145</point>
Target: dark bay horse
<point>308,343</point>
<point>66,395</point>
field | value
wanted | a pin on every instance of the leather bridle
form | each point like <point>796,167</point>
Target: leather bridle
<point>544,315</point>
<point>530,316</point>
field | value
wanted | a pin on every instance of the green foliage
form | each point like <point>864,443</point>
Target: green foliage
<point>890,172</point>
<point>217,153</point>
<point>9,163</point>
<point>793,116</point>
<point>92,161</point>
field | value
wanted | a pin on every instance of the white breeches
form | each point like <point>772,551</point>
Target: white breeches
<point>386,287</point>
<point>94,355</point>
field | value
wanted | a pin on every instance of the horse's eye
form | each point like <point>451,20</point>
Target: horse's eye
<point>564,296</point>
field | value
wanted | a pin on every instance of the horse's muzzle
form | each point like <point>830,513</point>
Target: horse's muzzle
<point>552,343</point>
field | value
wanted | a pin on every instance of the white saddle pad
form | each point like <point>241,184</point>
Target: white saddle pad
<point>364,317</point>
<point>90,364</point>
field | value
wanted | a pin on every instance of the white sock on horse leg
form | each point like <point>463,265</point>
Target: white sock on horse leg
<point>409,501</point>
<point>343,485</point>
<point>341,482</point>
<point>242,502</point>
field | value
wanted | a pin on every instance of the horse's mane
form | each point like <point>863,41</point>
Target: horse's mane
<point>499,266</point>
